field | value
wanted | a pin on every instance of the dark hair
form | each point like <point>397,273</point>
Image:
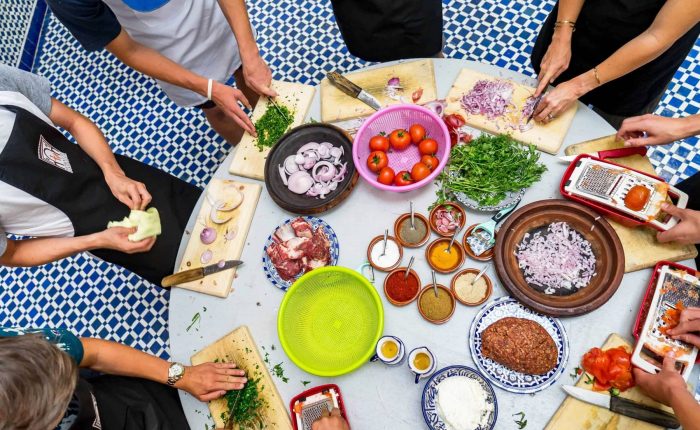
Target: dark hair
<point>37,381</point>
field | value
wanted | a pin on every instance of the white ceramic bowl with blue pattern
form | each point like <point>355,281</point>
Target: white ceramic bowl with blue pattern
<point>430,413</point>
<point>269,269</point>
<point>498,374</point>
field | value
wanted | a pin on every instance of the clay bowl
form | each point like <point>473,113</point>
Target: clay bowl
<point>485,277</point>
<point>369,253</point>
<point>429,290</point>
<point>486,256</point>
<point>402,271</point>
<point>607,248</point>
<point>458,208</point>
<point>456,247</point>
<point>407,216</point>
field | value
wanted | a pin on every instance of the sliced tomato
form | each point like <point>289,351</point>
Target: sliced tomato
<point>596,363</point>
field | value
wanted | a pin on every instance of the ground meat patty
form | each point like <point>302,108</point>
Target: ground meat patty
<point>519,344</point>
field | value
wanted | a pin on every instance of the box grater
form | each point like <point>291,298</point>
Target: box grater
<point>310,405</point>
<point>603,186</point>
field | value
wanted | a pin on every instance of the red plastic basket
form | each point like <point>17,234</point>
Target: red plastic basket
<point>311,392</point>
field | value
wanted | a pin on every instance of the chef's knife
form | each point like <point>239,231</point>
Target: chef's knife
<point>624,407</point>
<point>610,153</point>
<point>198,273</point>
<point>351,89</point>
<point>534,108</point>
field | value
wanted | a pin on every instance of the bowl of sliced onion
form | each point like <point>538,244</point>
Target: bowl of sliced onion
<point>401,117</point>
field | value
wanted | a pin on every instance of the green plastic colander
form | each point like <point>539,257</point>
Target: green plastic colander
<point>330,321</point>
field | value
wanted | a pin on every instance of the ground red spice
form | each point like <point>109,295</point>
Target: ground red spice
<point>401,290</point>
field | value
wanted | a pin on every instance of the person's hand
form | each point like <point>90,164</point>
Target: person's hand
<point>132,193</point>
<point>662,386</point>
<point>117,238</point>
<point>257,76</point>
<point>650,129</point>
<point>330,421</point>
<point>209,381</point>
<point>227,98</point>
<point>556,102</point>
<point>555,61</point>
<point>688,329</point>
<point>687,231</point>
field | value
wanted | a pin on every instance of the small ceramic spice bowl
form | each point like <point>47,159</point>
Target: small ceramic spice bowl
<point>457,212</point>
<point>442,261</point>
<point>486,256</point>
<point>437,310</point>
<point>400,291</point>
<point>470,294</point>
<point>408,237</point>
<point>391,259</point>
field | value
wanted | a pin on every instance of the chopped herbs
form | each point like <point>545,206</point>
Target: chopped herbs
<point>488,168</point>
<point>614,392</point>
<point>278,371</point>
<point>520,420</point>
<point>195,319</point>
<point>305,383</point>
<point>575,374</point>
<point>589,379</point>
<point>272,125</point>
<point>245,406</point>
<point>266,359</point>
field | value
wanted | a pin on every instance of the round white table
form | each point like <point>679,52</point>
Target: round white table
<point>377,396</point>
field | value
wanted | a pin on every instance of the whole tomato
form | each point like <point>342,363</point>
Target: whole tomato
<point>377,160</point>
<point>428,147</point>
<point>386,176</point>
<point>420,171</point>
<point>417,133</point>
<point>430,160</point>
<point>399,139</point>
<point>379,143</point>
<point>403,178</point>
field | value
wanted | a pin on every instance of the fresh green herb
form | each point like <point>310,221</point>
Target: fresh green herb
<point>195,319</point>
<point>305,383</point>
<point>272,125</point>
<point>267,357</point>
<point>278,371</point>
<point>589,379</point>
<point>488,168</point>
<point>520,421</point>
<point>575,374</point>
<point>205,308</point>
<point>245,406</point>
<point>615,392</point>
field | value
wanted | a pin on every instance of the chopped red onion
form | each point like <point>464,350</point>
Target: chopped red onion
<point>489,98</point>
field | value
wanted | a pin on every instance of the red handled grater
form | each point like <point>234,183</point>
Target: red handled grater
<point>603,185</point>
<point>309,406</point>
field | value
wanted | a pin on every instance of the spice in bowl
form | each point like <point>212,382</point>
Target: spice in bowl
<point>436,309</point>
<point>414,235</point>
<point>446,218</point>
<point>467,291</point>
<point>384,259</point>
<point>441,259</point>
<point>400,289</point>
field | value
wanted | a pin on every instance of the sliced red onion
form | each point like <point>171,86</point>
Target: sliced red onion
<point>231,234</point>
<point>323,175</point>
<point>490,98</point>
<point>311,146</point>
<point>206,256</point>
<point>437,106</point>
<point>208,235</point>
<point>394,82</point>
<point>417,94</point>
<point>290,164</point>
<point>283,175</point>
<point>300,182</point>
<point>214,214</point>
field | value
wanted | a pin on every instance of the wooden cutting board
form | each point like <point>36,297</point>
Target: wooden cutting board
<point>240,348</point>
<point>547,138</point>
<point>248,160</point>
<point>575,414</point>
<point>642,250</point>
<point>337,106</point>
<point>220,284</point>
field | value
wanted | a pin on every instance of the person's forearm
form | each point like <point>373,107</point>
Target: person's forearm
<point>687,410</point>
<point>152,63</point>
<point>36,252</point>
<point>691,126</point>
<point>569,10</point>
<point>237,16</point>
<point>117,359</point>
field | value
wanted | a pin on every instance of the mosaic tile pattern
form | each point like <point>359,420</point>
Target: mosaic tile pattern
<point>301,42</point>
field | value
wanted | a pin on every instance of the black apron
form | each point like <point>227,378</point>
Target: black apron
<point>40,161</point>
<point>385,30</point>
<point>603,26</point>
<point>121,403</point>
<point>691,187</point>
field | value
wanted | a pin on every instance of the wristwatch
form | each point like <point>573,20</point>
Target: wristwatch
<point>175,372</point>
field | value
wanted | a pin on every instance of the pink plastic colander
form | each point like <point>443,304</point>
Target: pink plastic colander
<point>389,119</point>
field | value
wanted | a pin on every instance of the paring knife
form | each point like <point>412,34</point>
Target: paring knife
<point>198,273</point>
<point>610,153</point>
<point>534,108</point>
<point>624,407</point>
<point>344,85</point>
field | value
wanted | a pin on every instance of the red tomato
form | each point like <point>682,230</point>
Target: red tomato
<point>430,161</point>
<point>403,178</point>
<point>399,139</point>
<point>417,133</point>
<point>377,160</point>
<point>611,368</point>
<point>379,143</point>
<point>386,176</point>
<point>419,171</point>
<point>596,362</point>
<point>428,147</point>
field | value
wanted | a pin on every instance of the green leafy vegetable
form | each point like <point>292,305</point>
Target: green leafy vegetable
<point>305,383</point>
<point>489,167</point>
<point>278,371</point>
<point>195,319</point>
<point>272,125</point>
<point>614,392</point>
<point>575,374</point>
<point>245,406</point>
<point>147,224</point>
<point>520,421</point>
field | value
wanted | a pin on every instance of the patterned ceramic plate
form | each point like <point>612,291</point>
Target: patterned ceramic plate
<point>500,375</point>
<point>269,269</point>
<point>430,414</point>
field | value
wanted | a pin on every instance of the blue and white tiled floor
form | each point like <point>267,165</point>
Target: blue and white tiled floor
<point>300,41</point>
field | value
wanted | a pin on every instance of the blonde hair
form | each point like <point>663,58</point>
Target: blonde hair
<point>37,381</point>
